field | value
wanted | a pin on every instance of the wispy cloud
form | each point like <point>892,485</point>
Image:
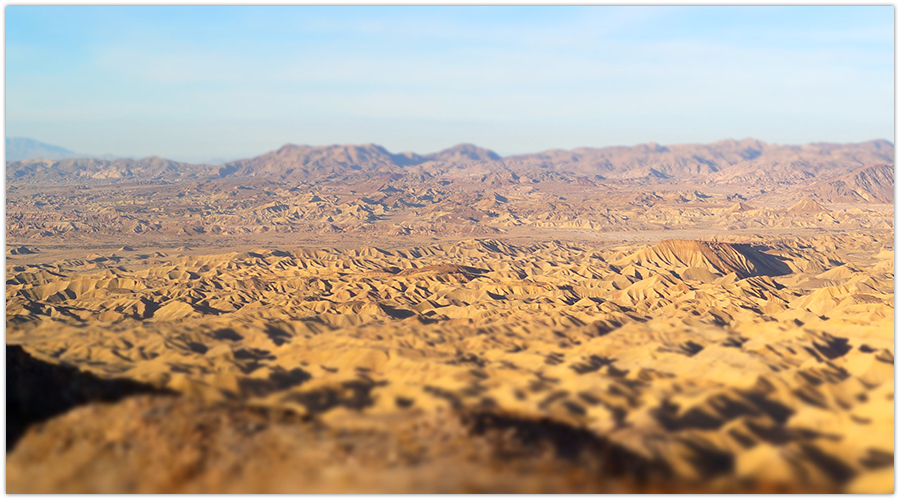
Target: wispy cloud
<point>558,76</point>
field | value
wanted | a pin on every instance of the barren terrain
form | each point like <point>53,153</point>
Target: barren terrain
<point>715,318</point>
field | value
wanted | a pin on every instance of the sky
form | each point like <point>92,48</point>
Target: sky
<point>196,83</point>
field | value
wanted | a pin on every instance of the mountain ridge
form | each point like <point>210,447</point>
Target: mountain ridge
<point>744,164</point>
<point>25,148</point>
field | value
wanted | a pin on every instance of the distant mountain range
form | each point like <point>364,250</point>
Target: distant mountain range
<point>849,172</point>
<point>23,148</point>
<point>871,183</point>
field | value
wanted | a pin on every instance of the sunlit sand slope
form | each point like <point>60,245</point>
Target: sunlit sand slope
<point>727,365</point>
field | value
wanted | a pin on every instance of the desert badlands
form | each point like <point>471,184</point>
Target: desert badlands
<point>686,318</point>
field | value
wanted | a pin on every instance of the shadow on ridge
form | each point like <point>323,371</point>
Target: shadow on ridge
<point>37,390</point>
<point>766,264</point>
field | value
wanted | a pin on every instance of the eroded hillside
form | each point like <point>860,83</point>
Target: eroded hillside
<point>684,318</point>
<point>725,362</point>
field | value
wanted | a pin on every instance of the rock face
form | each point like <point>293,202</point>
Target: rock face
<point>152,444</point>
<point>37,390</point>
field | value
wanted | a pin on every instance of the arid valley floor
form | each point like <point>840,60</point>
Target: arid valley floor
<point>691,318</point>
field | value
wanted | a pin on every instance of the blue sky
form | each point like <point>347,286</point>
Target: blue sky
<point>204,82</point>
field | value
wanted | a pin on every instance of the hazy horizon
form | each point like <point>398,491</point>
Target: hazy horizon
<point>213,157</point>
<point>203,82</point>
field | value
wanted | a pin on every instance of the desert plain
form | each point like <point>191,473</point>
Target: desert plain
<point>685,318</point>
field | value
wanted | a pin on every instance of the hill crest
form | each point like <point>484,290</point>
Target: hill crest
<point>718,258</point>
